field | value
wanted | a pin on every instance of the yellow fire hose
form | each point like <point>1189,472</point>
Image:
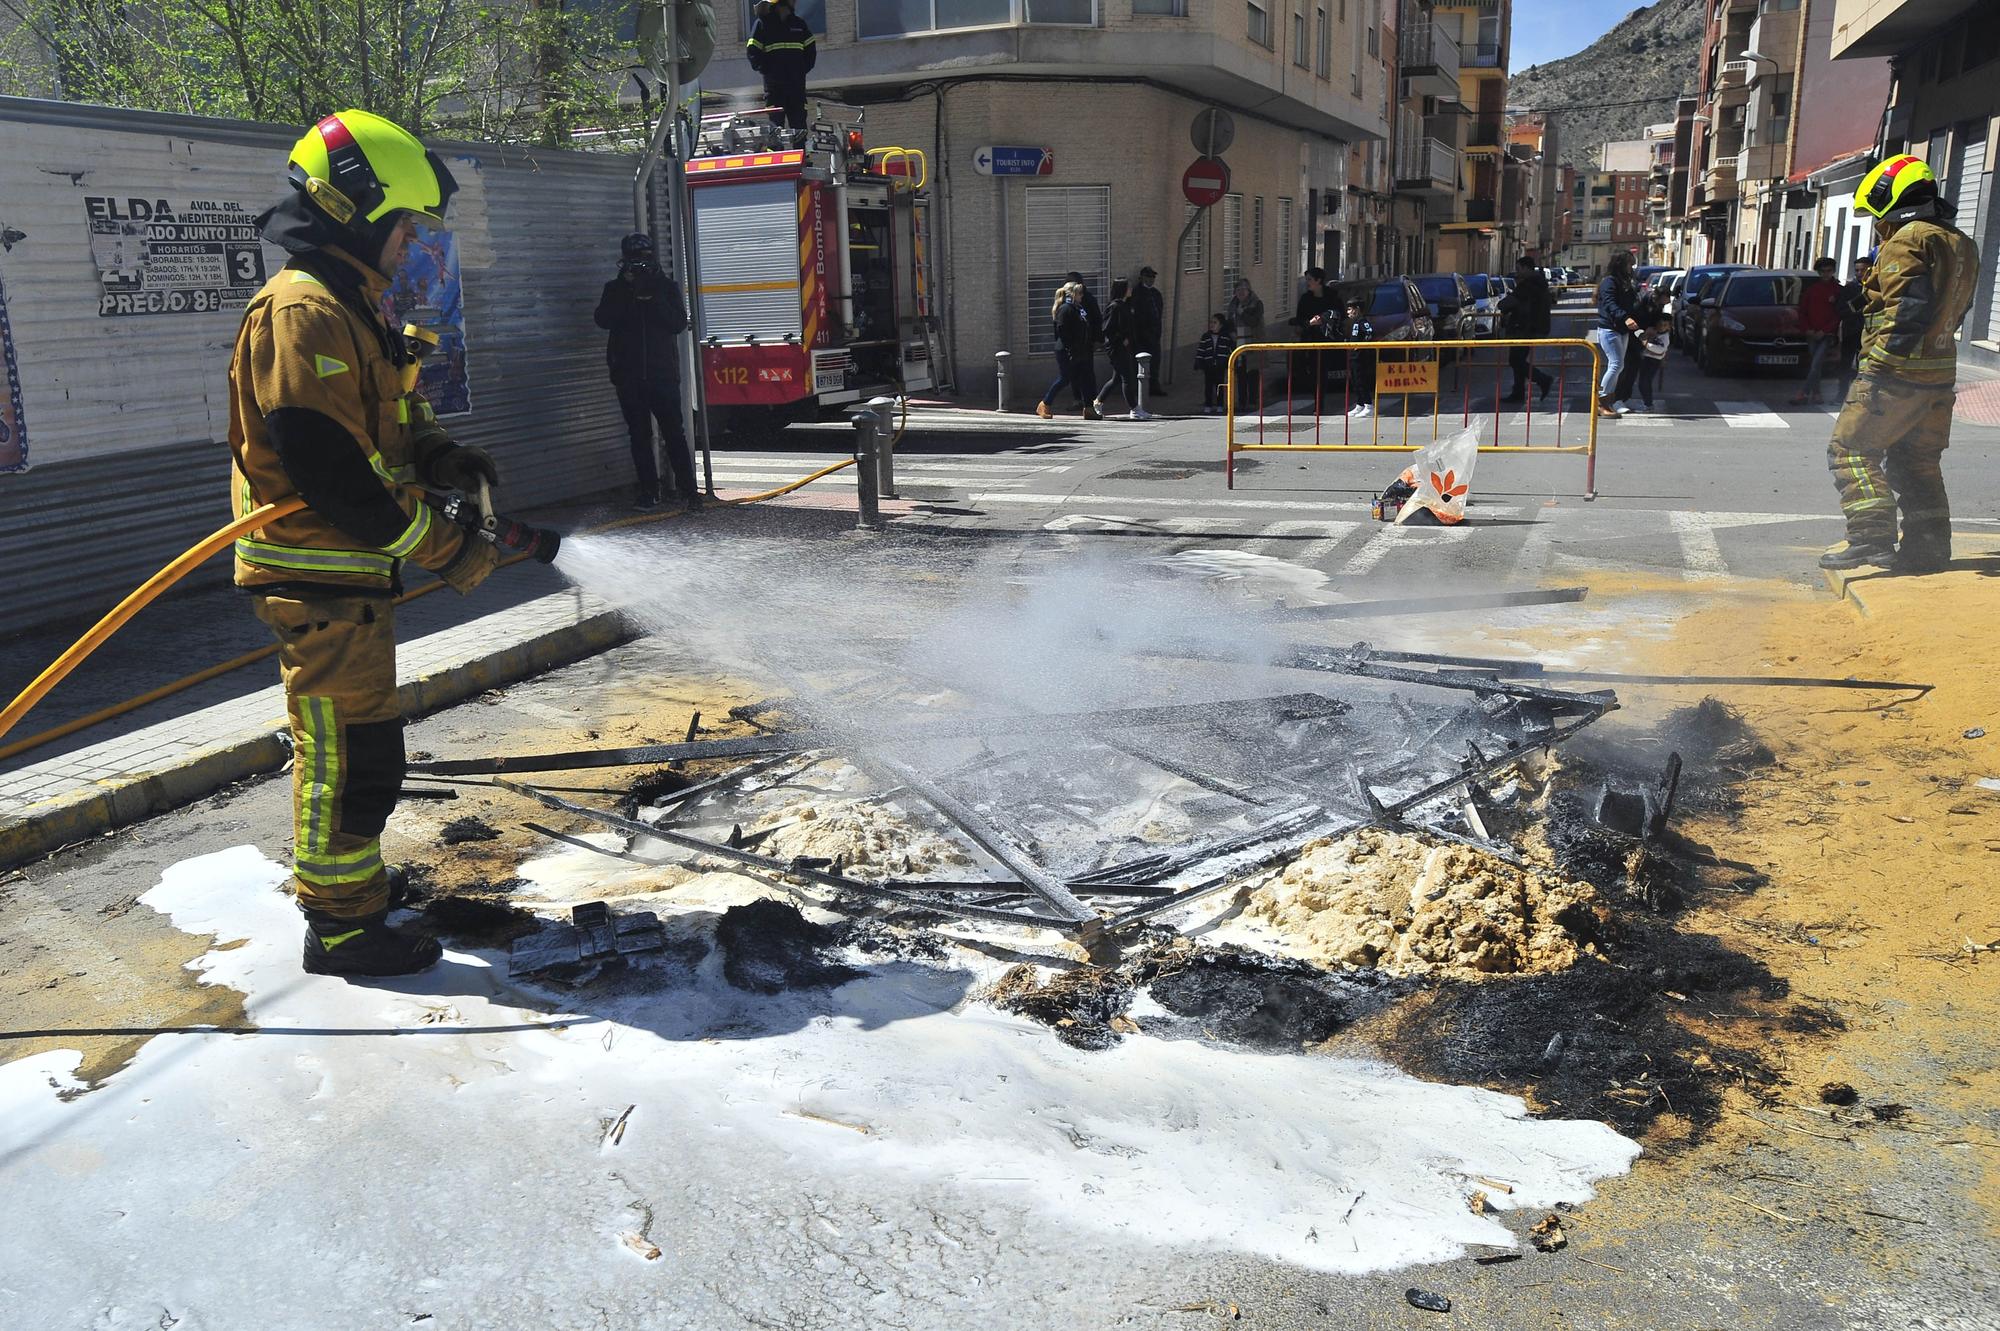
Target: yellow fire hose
<point>197,554</point>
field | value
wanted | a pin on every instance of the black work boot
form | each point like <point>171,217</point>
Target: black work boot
<point>365,946</point>
<point>1921,554</point>
<point>1858,554</point>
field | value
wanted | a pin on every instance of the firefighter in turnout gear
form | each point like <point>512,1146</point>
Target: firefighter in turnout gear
<point>1896,422</point>
<point>322,406</point>
<point>781,48</point>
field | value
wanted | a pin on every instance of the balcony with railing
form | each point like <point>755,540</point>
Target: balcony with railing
<point>1485,135</point>
<point>1481,55</point>
<point>1426,166</point>
<point>1774,34</point>
<point>1430,59</point>
<point>1721,178</point>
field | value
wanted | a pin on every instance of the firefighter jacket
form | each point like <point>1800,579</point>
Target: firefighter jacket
<point>317,409</point>
<point>1916,298</point>
<point>645,316</point>
<point>781,48</point>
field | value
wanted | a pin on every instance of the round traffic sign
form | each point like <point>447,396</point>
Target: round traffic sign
<point>1213,130</point>
<point>1205,182</point>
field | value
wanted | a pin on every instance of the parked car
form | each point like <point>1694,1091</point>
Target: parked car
<point>1450,303</point>
<point>1487,290</point>
<point>1750,320</point>
<point>1645,273</point>
<point>1687,310</point>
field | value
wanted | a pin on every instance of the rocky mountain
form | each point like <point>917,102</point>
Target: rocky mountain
<point>1652,54</point>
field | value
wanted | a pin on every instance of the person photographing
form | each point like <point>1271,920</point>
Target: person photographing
<point>643,311</point>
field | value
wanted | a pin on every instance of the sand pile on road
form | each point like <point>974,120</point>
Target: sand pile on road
<point>867,839</point>
<point>1398,904</point>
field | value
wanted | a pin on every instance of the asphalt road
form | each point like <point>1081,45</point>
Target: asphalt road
<point>1724,483</point>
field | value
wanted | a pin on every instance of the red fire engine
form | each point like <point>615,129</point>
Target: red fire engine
<point>811,265</point>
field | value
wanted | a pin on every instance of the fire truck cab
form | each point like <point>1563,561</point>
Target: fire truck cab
<point>810,263</point>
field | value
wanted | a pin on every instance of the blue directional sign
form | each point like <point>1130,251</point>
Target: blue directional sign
<point>1014,161</point>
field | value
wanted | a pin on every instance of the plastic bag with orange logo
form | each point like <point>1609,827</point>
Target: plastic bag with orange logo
<point>1442,475</point>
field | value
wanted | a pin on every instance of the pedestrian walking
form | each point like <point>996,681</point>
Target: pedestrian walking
<point>1211,357</point>
<point>1645,311</point>
<point>1074,354</point>
<point>643,313</point>
<point>1151,306</point>
<point>1124,325</point>
<point>1529,312</point>
<point>1853,301</point>
<point>1890,437</point>
<point>323,407</point>
<point>1617,294</point>
<point>783,49</point>
<point>1653,354</point>
<point>1819,314</point>
<point>1092,315</point>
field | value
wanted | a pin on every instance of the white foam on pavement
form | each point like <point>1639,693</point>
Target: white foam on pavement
<point>888,1150</point>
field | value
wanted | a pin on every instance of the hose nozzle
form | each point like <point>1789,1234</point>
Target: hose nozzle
<point>509,534</point>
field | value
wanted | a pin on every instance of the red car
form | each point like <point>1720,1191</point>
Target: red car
<point>1750,321</point>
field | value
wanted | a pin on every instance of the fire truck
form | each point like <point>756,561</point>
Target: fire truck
<point>810,259</point>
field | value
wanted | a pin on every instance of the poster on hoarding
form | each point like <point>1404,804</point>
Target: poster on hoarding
<point>428,292</point>
<point>157,256</point>
<point>13,423</point>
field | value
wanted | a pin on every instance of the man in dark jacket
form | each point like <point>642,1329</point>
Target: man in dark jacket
<point>1150,306</point>
<point>1529,311</point>
<point>643,310</point>
<point>1093,317</point>
<point>782,49</point>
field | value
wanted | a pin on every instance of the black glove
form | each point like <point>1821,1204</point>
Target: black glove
<point>463,466</point>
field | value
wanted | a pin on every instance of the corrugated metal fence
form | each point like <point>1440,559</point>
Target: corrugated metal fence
<point>126,416</point>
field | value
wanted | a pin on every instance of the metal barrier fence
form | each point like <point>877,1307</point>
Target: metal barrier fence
<point>1411,371</point>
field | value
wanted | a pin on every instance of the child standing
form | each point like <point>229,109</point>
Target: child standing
<point>1653,358</point>
<point>1211,357</point>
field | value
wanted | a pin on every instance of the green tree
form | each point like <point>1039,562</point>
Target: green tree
<point>516,71</point>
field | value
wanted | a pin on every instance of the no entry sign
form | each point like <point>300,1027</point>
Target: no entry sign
<point>1206,181</point>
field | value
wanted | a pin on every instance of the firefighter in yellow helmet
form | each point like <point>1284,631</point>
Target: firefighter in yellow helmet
<point>1896,422</point>
<point>321,405</point>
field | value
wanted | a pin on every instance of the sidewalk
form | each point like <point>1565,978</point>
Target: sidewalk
<point>181,748</point>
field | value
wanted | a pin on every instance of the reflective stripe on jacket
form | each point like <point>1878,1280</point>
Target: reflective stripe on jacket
<point>303,347</point>
<point>1917,296</point>
<point>783,50</point>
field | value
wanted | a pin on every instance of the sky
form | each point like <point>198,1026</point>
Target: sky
<point>1546,30</point>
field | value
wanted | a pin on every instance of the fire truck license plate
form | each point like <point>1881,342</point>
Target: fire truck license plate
<point>828,380</point>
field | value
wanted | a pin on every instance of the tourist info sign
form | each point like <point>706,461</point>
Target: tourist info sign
<point>1004,160</point>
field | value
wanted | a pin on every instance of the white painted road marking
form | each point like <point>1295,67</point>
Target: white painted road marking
<point>1382,542</point>
<point>1751,416</point>
<point>1271,540</point>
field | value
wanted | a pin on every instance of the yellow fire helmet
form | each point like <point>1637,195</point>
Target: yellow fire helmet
<point>360,168</point>
<point>1881,191</point>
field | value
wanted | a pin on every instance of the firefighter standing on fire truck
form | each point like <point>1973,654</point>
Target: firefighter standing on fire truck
<point>322,406</point>
<point>782,49</point>
<point>1892,432</point>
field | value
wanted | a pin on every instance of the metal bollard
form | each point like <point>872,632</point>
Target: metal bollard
<point>1000,359</point>
<point>1145,361</point>
<point>867,476</point>
<point>885,409</point>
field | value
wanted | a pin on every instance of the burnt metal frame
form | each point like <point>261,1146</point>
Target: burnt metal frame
<point>1062,903</point>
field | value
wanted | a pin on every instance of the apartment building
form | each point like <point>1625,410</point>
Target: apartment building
<point>1660,142</point>
<point>1944,106</point>
<point>1428,168</point>
<point>1716,139</point>
<point>1110,89</point>
<point>1470,236</point>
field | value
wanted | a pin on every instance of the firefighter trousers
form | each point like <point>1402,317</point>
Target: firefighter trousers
<point>337,657</point>
<point>1887,446</point>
